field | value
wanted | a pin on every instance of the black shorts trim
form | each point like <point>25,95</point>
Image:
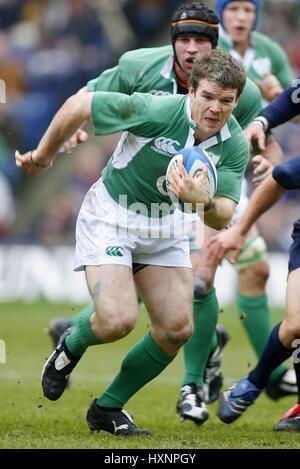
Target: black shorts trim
<point>137,267</point>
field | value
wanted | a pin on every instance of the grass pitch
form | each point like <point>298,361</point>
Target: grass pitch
<point>28,420</point>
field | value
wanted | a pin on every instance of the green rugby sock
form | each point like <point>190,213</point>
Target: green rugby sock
<point>82,335</point>
<point>197,348</point>
<point>255,314</point>
<point>214,343</point>
<point>88,309</point>
<point>143,362</point>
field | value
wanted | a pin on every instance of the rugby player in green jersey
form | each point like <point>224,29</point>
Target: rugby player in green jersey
<point>165,71</point>
<point>113,244</point>
<point>265,61</point>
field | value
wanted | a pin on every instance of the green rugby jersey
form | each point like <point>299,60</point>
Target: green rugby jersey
<point>155,128</point>
<point>263,57</point>
<point>151,71</point>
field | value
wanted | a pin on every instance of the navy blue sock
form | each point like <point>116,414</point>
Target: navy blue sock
<point>273,355</point>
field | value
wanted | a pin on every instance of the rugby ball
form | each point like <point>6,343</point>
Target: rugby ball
<point>193,159</point>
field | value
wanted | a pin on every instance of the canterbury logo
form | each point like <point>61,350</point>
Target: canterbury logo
<point>165,146</point>
<point>114,251</point>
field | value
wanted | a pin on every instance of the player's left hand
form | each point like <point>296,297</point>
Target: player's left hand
<point>29,163</point>
<point>262,169</point>
<point>190,190</point>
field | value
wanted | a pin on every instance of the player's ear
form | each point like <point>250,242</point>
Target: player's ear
<point>191,92</point>
<point>236,102</point>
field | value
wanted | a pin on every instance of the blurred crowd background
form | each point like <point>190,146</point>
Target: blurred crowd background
<point>51,48</point>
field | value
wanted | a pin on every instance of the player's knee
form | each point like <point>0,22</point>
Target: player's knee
<point>125,326</point>
<point>290,330</point>
<point>296,329</point>
<point>114,326</point>
<point>179,333</point>
<point>255,274</point>
<point>118,330</point>
<point>263,271</point>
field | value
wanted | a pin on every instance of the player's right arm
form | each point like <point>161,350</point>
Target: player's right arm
<point>80,136</point>
<point>109,112</point>
<point>73,113</point>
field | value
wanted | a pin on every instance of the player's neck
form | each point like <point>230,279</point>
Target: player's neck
<point>181,76</point>
<point>200,137</point>
<point>242,47</point>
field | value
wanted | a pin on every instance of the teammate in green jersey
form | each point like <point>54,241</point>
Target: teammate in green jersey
<point>164,71</point>
<point>265,61</point>
<point>111,232</point>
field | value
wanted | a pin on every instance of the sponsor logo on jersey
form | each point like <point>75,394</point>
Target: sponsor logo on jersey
<point>114,251</point>
<point>165,146</point>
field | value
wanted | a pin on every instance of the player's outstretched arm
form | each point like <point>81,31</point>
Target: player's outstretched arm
<point>73,113</point>
<point>80,136</point>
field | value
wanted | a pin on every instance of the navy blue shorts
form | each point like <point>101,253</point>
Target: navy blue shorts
<point>294,251</point>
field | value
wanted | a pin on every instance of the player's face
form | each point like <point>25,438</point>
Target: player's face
<point>211,107</point>
<point>238,18</point>
<point>188,48</point>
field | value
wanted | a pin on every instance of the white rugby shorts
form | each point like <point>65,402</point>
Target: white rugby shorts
<point>107,233</point>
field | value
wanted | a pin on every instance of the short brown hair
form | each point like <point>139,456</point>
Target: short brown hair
<point>221,68</point>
